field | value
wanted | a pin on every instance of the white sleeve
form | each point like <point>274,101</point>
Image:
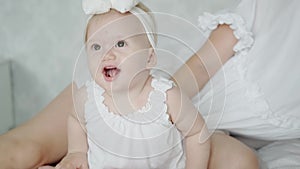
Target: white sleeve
<point>240,20</point>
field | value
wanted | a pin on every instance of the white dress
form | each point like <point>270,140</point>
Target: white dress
<point>256,94</point>
<point>142,139</point>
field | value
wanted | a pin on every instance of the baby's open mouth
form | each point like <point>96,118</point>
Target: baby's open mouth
<point>110,72</point>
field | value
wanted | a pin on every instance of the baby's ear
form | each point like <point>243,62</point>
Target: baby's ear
<point>152,60</point>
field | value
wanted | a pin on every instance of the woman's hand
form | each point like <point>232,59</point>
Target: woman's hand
<point>76,160</point>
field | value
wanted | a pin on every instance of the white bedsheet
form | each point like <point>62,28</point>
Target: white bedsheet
<point>283,154</point>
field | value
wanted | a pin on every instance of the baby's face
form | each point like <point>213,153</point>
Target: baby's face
<point>118,49</point>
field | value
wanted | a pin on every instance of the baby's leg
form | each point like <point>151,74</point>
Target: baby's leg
<point>229,153</point>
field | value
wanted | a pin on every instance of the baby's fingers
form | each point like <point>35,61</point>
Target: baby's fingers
<point>70,166</point>
<point>84,166</point>
<point>46,167</point>
<point>65,166</point>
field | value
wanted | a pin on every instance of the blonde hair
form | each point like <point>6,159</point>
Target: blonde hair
<point>139,5</point>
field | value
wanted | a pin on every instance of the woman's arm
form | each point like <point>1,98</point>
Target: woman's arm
<point>193,75</point>
<point>77,138</point>
<point>41,140</point>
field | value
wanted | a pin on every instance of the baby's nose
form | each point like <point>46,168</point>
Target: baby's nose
<point>109,55</point>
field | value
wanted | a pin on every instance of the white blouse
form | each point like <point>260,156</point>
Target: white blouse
<point>256,93</point>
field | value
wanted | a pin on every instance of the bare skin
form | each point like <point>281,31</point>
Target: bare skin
<point>43,139</point>
<point>206,61</point>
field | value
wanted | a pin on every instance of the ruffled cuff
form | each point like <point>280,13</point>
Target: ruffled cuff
<point>209,22</point>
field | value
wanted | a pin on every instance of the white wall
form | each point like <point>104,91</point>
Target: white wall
<point>43,37</point>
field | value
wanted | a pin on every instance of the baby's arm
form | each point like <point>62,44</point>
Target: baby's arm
<point>189,121</point>
<point>77,138</point>
<point>77,146</point>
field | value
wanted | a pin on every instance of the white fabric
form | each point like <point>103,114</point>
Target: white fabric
<point>142,139</point>
<point>209,22</point>
<point>147,22</point>
<point>259,94</point>
<point>91,7</point>
<point>283,154</point>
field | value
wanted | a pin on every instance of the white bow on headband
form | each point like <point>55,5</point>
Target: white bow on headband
<point>91,7</point>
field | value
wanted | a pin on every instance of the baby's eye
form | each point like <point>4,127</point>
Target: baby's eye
<point>120,44</point>
<point>96,47</point>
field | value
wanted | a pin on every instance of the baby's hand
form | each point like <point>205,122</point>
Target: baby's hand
<point>73,161</point>
<point>46,167</point>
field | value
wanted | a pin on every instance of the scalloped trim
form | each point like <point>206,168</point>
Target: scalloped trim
<point>209,22</point>
<point>96,100</point>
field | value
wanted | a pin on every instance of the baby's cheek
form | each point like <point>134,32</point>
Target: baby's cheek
<point>93,68</point>
<point>94,61</point>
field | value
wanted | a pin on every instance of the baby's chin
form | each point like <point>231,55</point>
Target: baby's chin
<point>110,86</point>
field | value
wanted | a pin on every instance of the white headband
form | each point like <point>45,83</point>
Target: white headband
<point>91,7</point>
<point>147,22</point>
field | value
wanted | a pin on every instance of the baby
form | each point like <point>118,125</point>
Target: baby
<point>124,117</point>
